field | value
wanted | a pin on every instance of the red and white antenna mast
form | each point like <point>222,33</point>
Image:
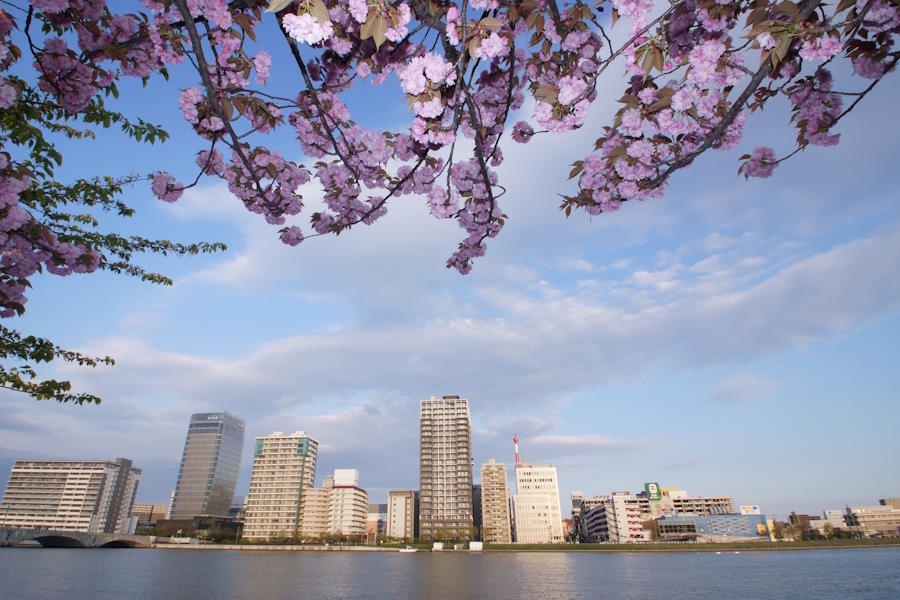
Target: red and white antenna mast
<point>516,442</point>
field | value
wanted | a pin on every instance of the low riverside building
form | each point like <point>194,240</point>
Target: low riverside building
<point>882,519</point>
<point>536,507</point>
<point>657,502</point>
<point>495,504</point>
<point>284,470</point>
<point>148,514</point>
<point>93,496</point>
<point>376,522</point>
<point>835,518</point>
<point>712,528</point>
<point>199,526</point>
<point>401,514</point>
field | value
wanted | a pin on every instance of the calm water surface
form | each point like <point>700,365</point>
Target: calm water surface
<point>188,574</point>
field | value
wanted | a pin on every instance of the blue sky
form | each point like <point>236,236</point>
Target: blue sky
<point>733,337</point>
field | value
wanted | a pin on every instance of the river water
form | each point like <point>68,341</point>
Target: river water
<point>100,574</point>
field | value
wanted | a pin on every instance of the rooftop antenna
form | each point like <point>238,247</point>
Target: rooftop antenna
<point>516,442</point>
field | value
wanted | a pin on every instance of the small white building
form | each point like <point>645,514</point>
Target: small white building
<point>348,507</point>
<point>401,514</point>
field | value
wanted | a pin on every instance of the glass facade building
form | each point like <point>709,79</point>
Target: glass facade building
<point>209,466</point>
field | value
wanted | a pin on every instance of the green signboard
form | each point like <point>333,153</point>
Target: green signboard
<point>652,491</point>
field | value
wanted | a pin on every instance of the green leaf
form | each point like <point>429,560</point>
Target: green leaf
<point>366,29</point>
<point>547,92</point>
<point>788,8</point>
<point>378,32</point>
<point>278,5</point>
<point>318,9</point>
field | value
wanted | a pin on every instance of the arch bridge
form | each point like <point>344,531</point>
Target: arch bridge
<point>50,538</point>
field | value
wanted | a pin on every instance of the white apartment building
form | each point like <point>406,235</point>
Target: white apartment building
<point>70,495</point>
<point>284,470</point>
<point>536,507</point>
<point>348,507</point>
<point>624,519</point>
<point>615,519</point>
<point>401,514</point>
<point>340,506</point>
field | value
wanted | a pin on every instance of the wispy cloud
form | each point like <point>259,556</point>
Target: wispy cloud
<point>743,387</point>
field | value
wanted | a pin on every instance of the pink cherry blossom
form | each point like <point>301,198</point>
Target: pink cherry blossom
<point>261,62</point>
<point>166,188</point>
<point>7,95</point>
<point>306,28</point>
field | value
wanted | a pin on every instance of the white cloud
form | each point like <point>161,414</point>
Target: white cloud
<point>530,344</point>
<point>586,443</point>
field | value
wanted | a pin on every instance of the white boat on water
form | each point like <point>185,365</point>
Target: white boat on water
<point>408,549</point>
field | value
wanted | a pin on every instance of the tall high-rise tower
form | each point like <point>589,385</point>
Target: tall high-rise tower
<point>209,466</point>
<point>445,468</point>
<point>284,470</point>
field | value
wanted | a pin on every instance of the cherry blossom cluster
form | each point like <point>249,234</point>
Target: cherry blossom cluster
<point>266,183</point>
<point>695,70</point>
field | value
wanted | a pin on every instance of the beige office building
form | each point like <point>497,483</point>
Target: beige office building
<point>71,495</point>
<point>536,507</point>
<point>315,510</point>
<point>284,470</point>
<point>678,502</point>
<point>401,518</point>
<point>495,522</point>
<point>445,468</point>
<point>882,519</point>
<point>148,514</point>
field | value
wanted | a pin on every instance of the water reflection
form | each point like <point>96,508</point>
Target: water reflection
<point>30,574</point>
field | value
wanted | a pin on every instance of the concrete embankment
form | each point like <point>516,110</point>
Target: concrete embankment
<point>274,548</point>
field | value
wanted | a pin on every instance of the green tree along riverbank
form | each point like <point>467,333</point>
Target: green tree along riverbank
<point>692,547</point>
<point>426,546</point>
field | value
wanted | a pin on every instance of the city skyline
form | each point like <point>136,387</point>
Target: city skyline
<point>518,461</point>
